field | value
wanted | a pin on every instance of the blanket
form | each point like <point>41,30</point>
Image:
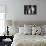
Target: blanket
<point>29,40</point>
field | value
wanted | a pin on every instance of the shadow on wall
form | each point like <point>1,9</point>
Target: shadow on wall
<point>21,23</point>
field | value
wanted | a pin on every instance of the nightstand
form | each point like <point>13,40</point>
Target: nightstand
<point>7,43</point>
<point>6,40</point>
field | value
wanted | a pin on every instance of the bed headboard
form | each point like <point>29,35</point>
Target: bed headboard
<point>21,23</point>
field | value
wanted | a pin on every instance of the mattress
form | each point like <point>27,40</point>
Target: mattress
<point>28,40</point>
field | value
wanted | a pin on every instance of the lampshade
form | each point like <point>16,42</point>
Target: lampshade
<point>9,22</point>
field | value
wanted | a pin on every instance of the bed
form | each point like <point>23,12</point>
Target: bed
<point>29,40</point>
<point>21,39</point>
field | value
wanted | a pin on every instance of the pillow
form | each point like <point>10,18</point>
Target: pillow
<point>28,31</point>
<point>24,30</point>
<point>36,30</point>
<point>28,26</point>
<point>44,29</point>
<point>21,30</point>
<point>44,26</point>
<point>13,30</point>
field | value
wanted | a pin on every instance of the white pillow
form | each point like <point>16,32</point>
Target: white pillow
<point>28,31</point>
<point>44,26</point>
<point>13,30</point>
<point>21,30</point>
<point>28,26</point>
<point>42,30</point>
<point>24,30</point>
<point>36,30</point>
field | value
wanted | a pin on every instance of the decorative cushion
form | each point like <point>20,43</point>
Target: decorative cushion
<point>36,30</point>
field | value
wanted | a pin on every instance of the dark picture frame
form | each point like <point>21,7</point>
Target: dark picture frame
<point>30,9</point>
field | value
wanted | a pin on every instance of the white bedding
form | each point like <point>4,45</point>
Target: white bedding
<point>29,40</point>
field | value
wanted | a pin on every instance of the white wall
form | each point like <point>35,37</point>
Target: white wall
<point>15,9</point>
<point>41,10</point>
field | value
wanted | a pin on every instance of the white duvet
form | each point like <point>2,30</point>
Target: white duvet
<point>29,40</point>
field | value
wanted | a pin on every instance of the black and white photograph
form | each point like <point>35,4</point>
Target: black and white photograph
<point>30,9</point>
